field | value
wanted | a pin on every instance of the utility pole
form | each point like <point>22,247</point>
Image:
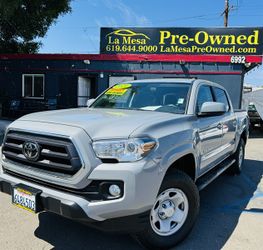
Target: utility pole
<point>226,13</point>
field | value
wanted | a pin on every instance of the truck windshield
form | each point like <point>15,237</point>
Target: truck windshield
<point>161,97</point>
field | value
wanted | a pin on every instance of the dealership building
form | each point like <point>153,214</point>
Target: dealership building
<point>36,82</point>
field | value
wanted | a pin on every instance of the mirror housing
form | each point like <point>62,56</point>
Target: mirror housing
<point>212,108</point>
<point>90,102</point>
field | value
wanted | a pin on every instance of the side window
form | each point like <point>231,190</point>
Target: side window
<point>220,96</point>
<point>204,95</point>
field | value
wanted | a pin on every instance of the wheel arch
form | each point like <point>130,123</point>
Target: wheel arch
<point>186,164</point>
<point>244,136</point>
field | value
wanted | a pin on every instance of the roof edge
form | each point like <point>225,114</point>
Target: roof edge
<point>132,57</point>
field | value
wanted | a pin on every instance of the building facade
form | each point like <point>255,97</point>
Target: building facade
<point>30,83</point>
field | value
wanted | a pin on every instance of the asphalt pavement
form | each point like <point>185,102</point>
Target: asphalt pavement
<point>231,217</point>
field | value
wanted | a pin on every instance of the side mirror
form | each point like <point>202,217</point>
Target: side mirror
<point>90,102</point>
<point>212,108</point>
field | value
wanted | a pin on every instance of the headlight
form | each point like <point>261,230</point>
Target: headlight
<point>124,150</point>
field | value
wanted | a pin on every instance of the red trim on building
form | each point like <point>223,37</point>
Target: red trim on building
<point>132,57</point>
<point>177,72</point>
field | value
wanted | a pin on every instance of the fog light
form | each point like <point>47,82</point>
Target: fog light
<point>114,190</point>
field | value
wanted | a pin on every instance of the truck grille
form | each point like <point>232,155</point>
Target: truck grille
<point>56,155</point>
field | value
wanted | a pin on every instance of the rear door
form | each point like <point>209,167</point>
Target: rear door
<point>228,121</point>
<point>209,131</point>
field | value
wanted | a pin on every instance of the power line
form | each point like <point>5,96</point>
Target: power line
<point>210,16</point>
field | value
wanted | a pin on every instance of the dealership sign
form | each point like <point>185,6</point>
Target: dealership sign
<point>233,41</point>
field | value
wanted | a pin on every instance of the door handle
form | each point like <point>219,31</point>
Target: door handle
<point>219,126</point>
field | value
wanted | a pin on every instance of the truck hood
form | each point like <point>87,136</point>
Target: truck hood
<point>101,123</point>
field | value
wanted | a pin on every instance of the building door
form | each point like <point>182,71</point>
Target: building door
<point>67,92</point>
<point>84,85</point>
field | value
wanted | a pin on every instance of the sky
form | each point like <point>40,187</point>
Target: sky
<point>78,31</point>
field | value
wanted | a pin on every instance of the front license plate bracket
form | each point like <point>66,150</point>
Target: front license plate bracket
<point>26,197</point>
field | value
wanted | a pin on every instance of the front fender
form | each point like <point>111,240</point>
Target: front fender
<point>176,153</point>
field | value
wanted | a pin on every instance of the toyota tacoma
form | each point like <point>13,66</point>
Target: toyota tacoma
<point>133,161</point>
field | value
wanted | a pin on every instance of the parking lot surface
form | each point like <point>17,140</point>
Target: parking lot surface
<point>231,217</point>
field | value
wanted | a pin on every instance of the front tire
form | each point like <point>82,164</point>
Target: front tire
<point>173,214</point>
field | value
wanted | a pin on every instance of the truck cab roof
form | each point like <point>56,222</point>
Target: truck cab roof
<point>177,80</point>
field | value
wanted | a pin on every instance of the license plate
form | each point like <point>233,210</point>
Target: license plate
<point>26,197</point>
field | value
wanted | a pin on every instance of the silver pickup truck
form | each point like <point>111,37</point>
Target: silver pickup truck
<point>134,161</point>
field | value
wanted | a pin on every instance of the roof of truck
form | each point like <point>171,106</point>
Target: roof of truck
<point>177,80</point>
<point>168,80</point>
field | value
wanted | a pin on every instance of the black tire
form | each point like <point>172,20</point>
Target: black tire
<point>236,168</point>
<point>181,181</point>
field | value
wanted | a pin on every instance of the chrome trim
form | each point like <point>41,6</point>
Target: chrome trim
<point>50,134</point>
<point>33,173</point>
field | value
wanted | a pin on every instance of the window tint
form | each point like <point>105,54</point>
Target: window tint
<point>204,95</point>
<point>220,96</point>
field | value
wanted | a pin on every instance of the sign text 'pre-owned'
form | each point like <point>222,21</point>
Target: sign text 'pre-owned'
<point>238,41</point>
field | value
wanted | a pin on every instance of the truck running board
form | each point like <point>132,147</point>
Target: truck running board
<point>207,178</point>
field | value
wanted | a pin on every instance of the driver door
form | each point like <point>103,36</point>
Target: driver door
<point>209,132</point>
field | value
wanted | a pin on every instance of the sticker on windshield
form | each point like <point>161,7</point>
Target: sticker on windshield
<point>119,89</point>
<point>122,86</point>
<point>116,91</point>
<point>180,101</point>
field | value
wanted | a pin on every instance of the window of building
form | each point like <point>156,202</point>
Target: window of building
<point>33,86</point>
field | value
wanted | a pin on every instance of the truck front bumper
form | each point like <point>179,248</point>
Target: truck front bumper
<point>50,203</point>
<point>141,185</point>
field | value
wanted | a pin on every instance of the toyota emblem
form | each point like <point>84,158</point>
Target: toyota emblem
<point>31,151</point>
